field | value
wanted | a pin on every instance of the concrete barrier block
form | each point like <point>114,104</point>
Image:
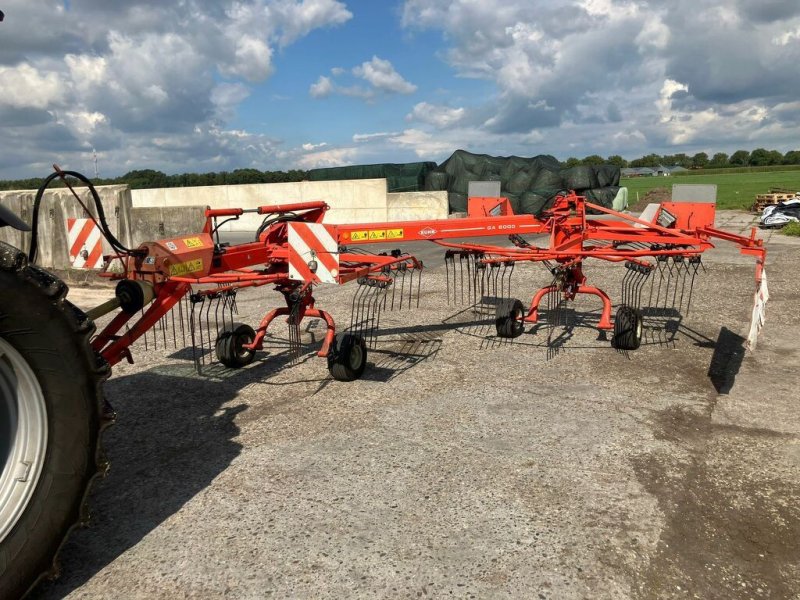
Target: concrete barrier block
<point>149,224</point>
<point>415,206</point>
<point>58,205</point>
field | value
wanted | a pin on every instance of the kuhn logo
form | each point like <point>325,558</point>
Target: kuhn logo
<point>427,232</point>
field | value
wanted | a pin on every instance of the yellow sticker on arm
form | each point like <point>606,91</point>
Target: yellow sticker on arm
<point>194,242</point>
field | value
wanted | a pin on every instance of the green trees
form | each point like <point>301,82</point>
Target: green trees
<point>740,158</point>
<point>700,160</point>
<point>719,160</point>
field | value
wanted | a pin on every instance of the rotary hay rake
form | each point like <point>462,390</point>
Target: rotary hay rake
<point>199,277</point>
<point>185,289</point>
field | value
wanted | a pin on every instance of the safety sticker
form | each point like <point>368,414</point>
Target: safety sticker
<point>394,234</point>
<point>194,242</point>
<point>377,234</point>
<point>357,236</point>
<point>171,245</point>
<point>190,266</point>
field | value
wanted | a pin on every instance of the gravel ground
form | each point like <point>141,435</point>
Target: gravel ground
<point>462,466</point>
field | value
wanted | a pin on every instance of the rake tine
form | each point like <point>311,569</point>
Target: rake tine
<point>411,286</point>
<point>356,324</point>
<point>180,319</point>
<point>195,357</point>
<point>447,255</point>
<point>696,263</point>
<point>470,267</point>
<point>461,272</point>
<point>394,288</point>
<point>217,302</point>
<point>353,307</point>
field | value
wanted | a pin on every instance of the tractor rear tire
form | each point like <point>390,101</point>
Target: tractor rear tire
<point>627,329</point>
<point>348,357</point>
<point>509,315</point>
<point>229,348</point>
<point>52,413</point>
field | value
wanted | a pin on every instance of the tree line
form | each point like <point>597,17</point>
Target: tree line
<point>760,157</point>
<point>150,178</point>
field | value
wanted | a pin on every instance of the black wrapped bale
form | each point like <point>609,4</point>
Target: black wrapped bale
<point>582,177</point>
<point>533,203</point>
<point>457,202</point>
<point>401,177</point>
<point>519,182</point>
<point>459,184</point>
<point>548,179</point>
<point>607,176</point>
<point>602,196</point>
<point>436,181</point>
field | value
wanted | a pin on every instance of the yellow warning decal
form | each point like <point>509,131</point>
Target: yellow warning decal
<point>377,234</point>
<point>194,242</point>
<point>190,266</point>
<point>357,236</point>
<point>394,234</point>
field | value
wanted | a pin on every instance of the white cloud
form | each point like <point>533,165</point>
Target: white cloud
<point>378,73</point>
<point>25,86</point>
<point>120,75</point>
<point>334,157</point>
<point>322,88</point>
<point>382,76</point>
<point>369,137</point>
<point>436,115</point>
<point>422,143</point>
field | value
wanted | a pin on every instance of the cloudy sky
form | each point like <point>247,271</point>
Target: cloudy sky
<point>201,85</point>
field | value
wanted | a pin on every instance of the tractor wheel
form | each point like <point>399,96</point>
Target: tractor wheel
<point>348,357</point>
<point>509,315</point>
<point>229,346</point>
<point>627,329</point>
<point>51,416</point>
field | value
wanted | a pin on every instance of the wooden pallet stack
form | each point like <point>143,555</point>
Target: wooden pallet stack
<point>775,196</point>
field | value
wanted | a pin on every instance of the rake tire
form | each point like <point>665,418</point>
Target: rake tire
<point>347,358</point>
<point>509,315</point>
<point>50,371</point>
<point>229,348</point>
<point>627,329</point>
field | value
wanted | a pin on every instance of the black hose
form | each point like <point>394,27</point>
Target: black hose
<point>101,215</point>
<point>272,219</point>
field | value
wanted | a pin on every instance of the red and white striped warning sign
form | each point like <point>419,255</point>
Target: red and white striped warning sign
<point>313,253</point>
<point>85,244</point>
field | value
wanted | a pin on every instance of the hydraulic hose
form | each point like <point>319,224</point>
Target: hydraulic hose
<point>101,215</point>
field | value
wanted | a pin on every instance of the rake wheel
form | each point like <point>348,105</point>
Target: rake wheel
<point>627,329</point>
<point>509,316</point>
<point>348,357</point>
<point>229,344</point>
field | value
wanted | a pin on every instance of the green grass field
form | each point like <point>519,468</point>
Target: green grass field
<point>735,190</point>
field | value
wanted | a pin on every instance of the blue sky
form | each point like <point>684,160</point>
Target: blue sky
<point>209,85</point>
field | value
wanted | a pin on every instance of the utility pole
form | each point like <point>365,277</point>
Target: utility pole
<point>94,154</point>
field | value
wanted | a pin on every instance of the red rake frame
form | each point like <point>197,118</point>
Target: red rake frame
<point>170,268</point>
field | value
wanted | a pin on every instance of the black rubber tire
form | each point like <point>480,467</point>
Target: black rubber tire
<point>627,329</point>
<point>509,315</point>
<point>53,337</point>
<point>229,346</point>
<point>348,357</point>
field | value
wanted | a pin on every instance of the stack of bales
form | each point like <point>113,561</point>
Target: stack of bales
<point>405,177</point>
<point>531,184</point>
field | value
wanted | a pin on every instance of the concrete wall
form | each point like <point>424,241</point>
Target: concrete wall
<point>57,206</point>
<point>148,224</point>
<point>352,201</point>
<point>415,206</point>
<point>142,215</point>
